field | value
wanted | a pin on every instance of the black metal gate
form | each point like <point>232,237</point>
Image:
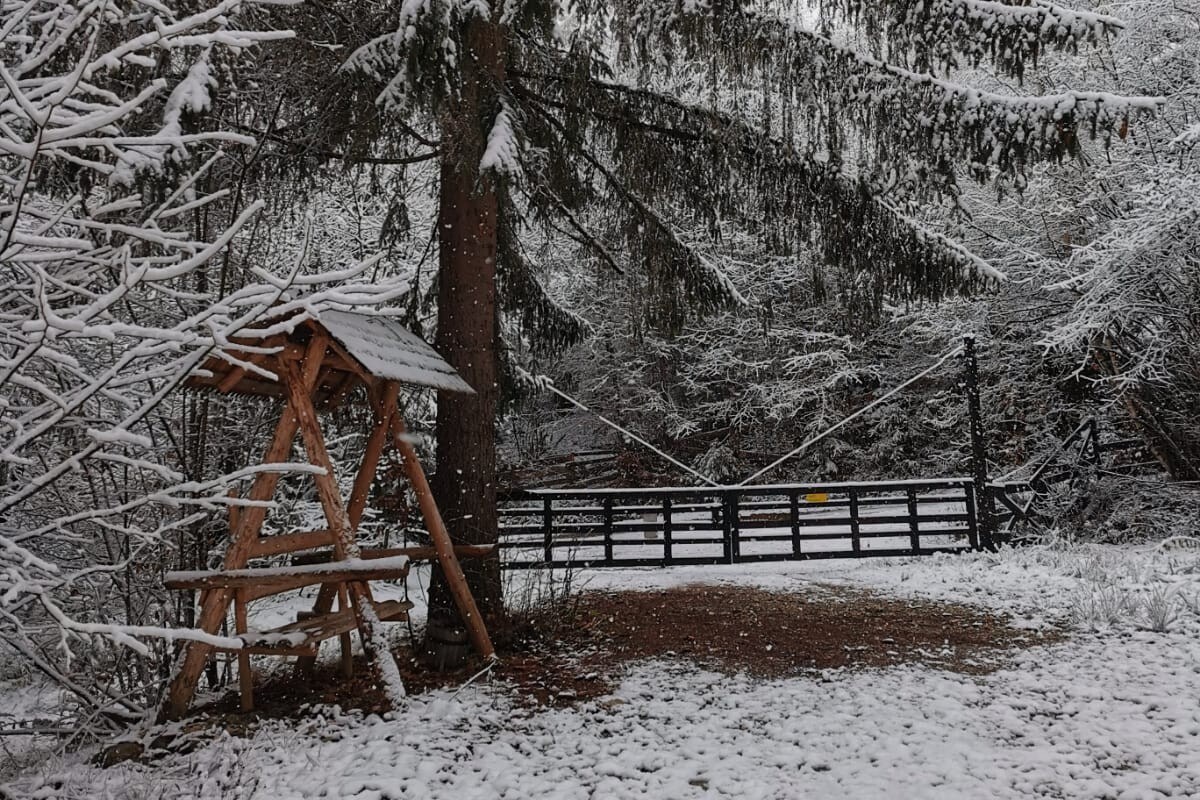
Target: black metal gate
<point>686,525</point>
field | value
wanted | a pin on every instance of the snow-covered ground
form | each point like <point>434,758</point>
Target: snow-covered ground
<point>1112,711</point>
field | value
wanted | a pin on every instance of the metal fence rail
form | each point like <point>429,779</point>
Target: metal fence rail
<point>731,524</point>
<point>685,525</point>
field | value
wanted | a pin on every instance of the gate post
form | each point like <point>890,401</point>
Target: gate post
<point>728,527</point>
<point>985,502</point>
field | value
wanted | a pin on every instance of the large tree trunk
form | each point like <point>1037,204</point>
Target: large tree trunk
<point>465,481</point>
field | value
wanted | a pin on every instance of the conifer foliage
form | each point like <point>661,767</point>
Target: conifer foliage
<point>831,125</point>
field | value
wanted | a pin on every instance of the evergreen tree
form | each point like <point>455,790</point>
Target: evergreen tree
<point>831,125</point>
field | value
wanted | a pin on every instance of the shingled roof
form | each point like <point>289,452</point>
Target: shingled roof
<point>364,345</point>
<point>388,350</point>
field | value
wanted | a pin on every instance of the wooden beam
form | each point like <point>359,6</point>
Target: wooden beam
<point>239,371</point>
<point>216,603</point>
<point>245,676</point>
<point>276,579</point>
<point>344,545</point>
<point>382,402</point>
<point>323,604</point>
<point>427,553</point>
<point>344,360</point>
<point>290,543</point>
<point>250,520</point>
<point>234,511</point>
<point>441,540</point>
<point>340,392</point>
<point>314,445</point>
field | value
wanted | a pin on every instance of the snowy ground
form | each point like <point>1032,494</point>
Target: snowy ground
<point>1113,711</point>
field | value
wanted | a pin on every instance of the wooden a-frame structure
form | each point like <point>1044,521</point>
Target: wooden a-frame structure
<point>314,364</point>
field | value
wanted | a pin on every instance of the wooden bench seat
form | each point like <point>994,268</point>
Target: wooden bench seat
<point>413,553</point>
<point>300,638</point>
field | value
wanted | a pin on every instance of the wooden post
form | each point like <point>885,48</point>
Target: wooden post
<point>455,579</point>
<point>381,402</point>
<point>608,529</point>
<point>972,518</point>
<point>914,523</point>
<point>735,528</point>
<point>216,602</point>
<point>855,523</point>
<point>667,531</point>
<point>347,664</point>
<point>245,676</point>
<point>985,506</point>
<point>726,528</point>
<point>794,519</point>
<point>328,492</point>
<point>548,531</point>
<point>344,545</point>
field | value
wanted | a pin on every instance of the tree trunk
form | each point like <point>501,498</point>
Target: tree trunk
<point>465,482</point>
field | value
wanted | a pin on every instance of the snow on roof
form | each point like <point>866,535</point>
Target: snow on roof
<point>389,350</point>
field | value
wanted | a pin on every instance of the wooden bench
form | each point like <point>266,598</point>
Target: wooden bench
<point>301,638</point>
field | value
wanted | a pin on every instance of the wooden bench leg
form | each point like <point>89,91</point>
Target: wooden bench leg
<point>344,639</point>
<point>323,605</point>
<point>245,676</point>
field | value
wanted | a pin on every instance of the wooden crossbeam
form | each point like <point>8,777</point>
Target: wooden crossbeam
<point>425,553</point>
<point>442,543</point>
<point>358,503</point>
<point>392,568</point>
<point>290,543</point>
<point>215,603</point>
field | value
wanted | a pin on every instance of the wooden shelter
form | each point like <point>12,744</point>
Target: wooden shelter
<point>313,365</point>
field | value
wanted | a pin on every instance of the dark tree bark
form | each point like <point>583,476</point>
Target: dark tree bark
<point>465,482</point>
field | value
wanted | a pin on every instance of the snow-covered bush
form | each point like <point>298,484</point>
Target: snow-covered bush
<point>111,292</point>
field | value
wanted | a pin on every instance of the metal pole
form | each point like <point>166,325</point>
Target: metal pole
<point>985,505</point>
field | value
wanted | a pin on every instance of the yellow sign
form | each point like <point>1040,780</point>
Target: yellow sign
<point>820,497</point>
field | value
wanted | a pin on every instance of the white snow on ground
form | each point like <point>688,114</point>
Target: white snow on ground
<point>1114,711</point>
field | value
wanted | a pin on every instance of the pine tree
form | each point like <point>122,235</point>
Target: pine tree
<point>831,125</point>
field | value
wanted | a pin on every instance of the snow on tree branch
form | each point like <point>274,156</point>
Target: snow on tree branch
<point>952,33</point>
<point>108,299</point>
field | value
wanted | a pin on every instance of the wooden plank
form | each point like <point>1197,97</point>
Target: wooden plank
<point>218,579</point>
<point>271,650</point>
<point>347,609</point>
<point>290,543</point>
<point>323,604</point>
<point>427,553</point>
<point>455,580</point>
<point>316,630</point>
